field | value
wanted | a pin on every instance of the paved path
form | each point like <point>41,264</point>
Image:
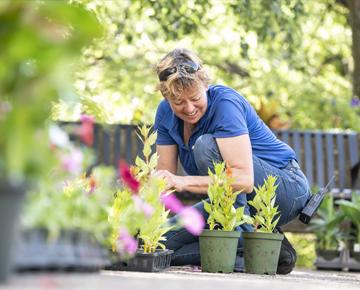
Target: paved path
<point>184,279</point>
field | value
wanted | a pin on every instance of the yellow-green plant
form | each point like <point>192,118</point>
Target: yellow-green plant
<point>123,215</point>
<point>142,213</point>
<point>144,167</point>
<point>264,203</point>
<point>152,231</point>
<point>221,210</point>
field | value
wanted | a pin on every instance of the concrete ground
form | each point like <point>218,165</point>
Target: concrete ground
<point>183,278</point>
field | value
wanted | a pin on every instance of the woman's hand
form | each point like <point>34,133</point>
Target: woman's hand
<point>173,182</point>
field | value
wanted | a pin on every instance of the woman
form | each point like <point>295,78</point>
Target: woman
<point>202,123</point>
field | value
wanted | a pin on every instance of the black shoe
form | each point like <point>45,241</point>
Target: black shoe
<point>287,258</point>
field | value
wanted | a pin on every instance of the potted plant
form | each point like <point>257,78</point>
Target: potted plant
<point>139,215</point>
<point>218,244</point>
<point>138,218</point>
<point>326,227</point>
<point>351,210</point>
<point>71,236</point>
<point>262,247</point>
<point>32,60</point>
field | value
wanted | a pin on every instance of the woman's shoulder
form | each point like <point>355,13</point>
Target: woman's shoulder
<point>222,95</point>
<point>163,111</point>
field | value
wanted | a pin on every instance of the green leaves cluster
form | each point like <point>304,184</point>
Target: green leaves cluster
<point>125,212</point>
<point>221,210</point>
<point>331,214</point>
<point>85,208</point>
<point>294,52</point>
<point>144,167</point>
<point>153,229</point>
<point>326,225</point>
<point>351,211</point>
<point>39,40</point>
<point>264,204</point>
<point>62,202</point>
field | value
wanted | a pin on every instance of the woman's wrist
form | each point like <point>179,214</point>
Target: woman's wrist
<point>195,184</point>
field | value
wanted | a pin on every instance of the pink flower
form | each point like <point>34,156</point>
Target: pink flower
<point>192,220</point>
<point>143,206</point>
<point>126,243</point>
<point>72,161</point>
<point>171,202</point>
<point>87,119</point>
<point>86,130</point>
<point>127,177</point>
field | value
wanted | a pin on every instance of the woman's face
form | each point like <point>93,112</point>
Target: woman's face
<point>191,105</point>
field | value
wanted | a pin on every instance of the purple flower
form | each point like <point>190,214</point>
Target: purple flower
<point>171,202</point>
<point>355,102</point>
<point>126,243</point>
<point>143,206</point>
<point>192,220</point>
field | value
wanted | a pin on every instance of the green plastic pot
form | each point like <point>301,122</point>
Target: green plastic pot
<point>218,250</point>
<point>261,252</point>
<point>10,200</point>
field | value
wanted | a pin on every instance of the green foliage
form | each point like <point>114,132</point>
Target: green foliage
<point>178,18</point>
<point>123,214</point>
<point>296,53</point>
<point>304,245</point>
<point>87,208</point>
<point>126,211</point>
<point>221,210</point>
<point>153,229</point>
<point>144,167</point>
<point>39,39</point>
<point>264,204</point>
<point>64,201</point>
<point>351,210</point>
<point>326,225</point>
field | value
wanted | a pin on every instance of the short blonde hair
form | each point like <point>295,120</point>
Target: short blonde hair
<point>180,80</point>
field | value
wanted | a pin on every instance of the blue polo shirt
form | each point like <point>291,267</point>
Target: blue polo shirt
<point>228,114</point>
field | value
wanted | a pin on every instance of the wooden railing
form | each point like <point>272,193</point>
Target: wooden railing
<point>320,154</point>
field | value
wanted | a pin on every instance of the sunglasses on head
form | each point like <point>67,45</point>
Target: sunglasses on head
<point>189,66</point>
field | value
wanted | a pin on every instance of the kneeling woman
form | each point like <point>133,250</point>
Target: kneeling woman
<point>202,123</point>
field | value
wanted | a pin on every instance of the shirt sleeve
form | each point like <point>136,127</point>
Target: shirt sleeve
<point>161,119</point>
<point>230,119</point>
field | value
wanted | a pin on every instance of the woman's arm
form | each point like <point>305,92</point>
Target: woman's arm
<point>168,158</point>
<point>236,151</point>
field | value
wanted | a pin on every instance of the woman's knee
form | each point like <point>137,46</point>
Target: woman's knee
<point>206,151</point>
